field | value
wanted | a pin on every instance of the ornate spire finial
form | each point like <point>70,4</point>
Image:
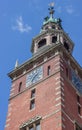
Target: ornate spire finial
<point>16,64</point>
<point>51,9</point>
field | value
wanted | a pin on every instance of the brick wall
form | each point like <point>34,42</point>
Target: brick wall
<point>55,99</point>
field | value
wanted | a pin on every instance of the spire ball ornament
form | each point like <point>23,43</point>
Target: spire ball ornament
<point>51,9</point>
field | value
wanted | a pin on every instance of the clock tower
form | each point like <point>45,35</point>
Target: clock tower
<point>46,92</point>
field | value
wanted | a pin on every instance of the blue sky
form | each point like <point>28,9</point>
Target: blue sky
<point>20,21</point>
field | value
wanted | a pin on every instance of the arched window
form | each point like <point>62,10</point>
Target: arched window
<point>20,86</point>
<point>66,45</point>
<point>54,39</point>
<point>42,43</point>
<point>53,27</point>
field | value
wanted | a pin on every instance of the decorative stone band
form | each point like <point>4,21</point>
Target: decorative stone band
<point>31,121</point>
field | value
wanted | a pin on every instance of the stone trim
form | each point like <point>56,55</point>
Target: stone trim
<point>68,117</point>
<point>31,121</point>
<point>53,113</point>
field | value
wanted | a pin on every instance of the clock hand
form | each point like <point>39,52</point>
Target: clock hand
<point>34,77</point>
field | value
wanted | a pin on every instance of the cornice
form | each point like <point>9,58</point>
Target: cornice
<point>59,47</point>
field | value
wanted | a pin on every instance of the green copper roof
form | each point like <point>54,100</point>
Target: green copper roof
<point>54,20</point>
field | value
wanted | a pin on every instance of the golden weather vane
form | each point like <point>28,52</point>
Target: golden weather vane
<point>51,9</point>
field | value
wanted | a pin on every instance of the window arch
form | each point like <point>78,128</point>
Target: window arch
<point>42,43</point>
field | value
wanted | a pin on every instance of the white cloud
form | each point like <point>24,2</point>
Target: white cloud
<point>70,9</point>
<point>20,26</point>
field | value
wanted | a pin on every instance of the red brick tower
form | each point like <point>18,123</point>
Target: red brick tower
<point>46,91</point>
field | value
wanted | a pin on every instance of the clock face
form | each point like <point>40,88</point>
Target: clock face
<point>34,76</point>
<point>77,82</point>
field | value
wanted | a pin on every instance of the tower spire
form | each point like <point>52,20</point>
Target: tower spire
<point>51,9</point>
